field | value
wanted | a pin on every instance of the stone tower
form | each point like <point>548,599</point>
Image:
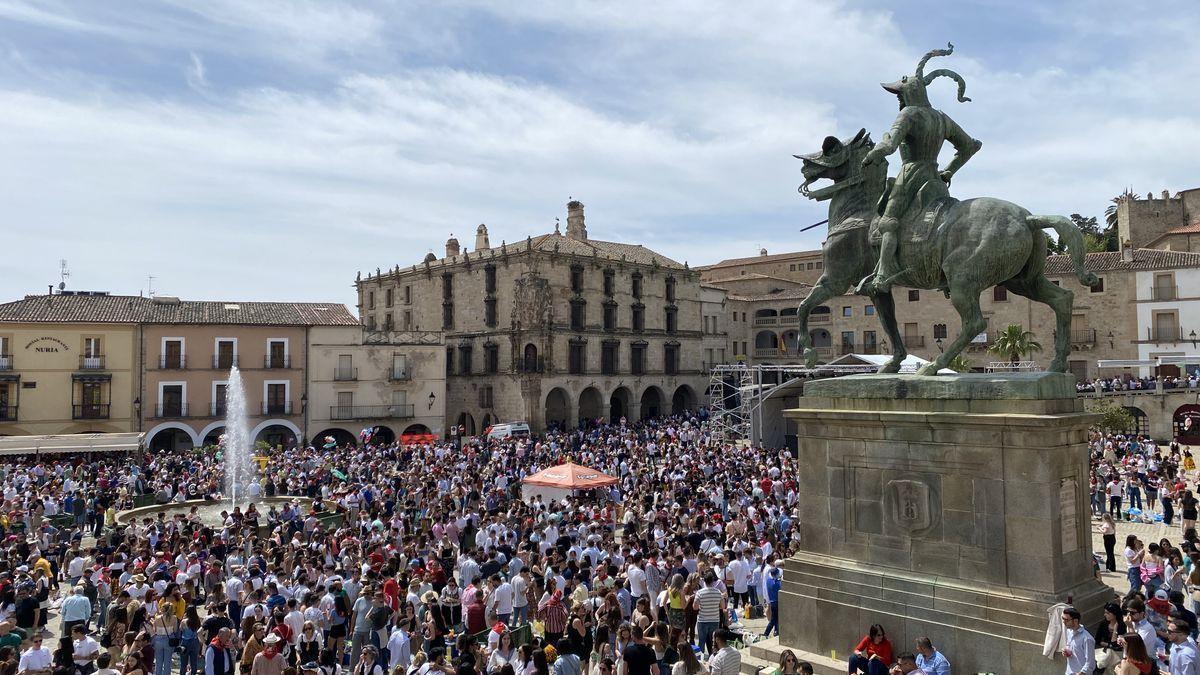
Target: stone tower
<point>452,248</point>
<point>481,238</point>
<point>575,227</point>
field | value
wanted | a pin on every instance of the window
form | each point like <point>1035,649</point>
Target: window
<point>491,359</point>
<point>218,402</point>
<point>447,302</point>
<point>345,405</point>
<point>277,402</point>
<point>172,400</point>
<point>610,316</point>
<point>576,278</point>
<point>670,290</point>
<point>608,357</point>
<point>408,295</point>
<point>671,359</point>
<point>387,298</point>
<point>399,366</point>
<point>792,268</point>
<point>609,278</point>
<point>743,316</point>
<point>172,353</point>
<point>489,279</point>
<point>464,359</point>
<point>638,318</point>
<point>226,356</point>
<point>870,345</point>
<point>939,331</point>
<point>999,294</point>
<point>370,322</point>
<point>447,315</point>
<point>277,353</point>
<point>578,311</point>
<point>408,319</point>
<point>671,319</point>
<point>1099,287</point>
<point>636,285</point>
<point>449,360</point>
<point>734,319</point>
<point>387,321</point>
<point>489,312</point>
<point>847,341</point>
<point>869,310</point>
<point>576,358</point>
<point>345,368</point>
<point>400,401</point>
<point>1164,287</point>
<point>820,264</point>
<point>447,288</point>
<point>847,311</point>
<point>370,299</point>
<point>637,358</point>
<point>485,396</point>
<point>810,266</point>
<point>914,295</point>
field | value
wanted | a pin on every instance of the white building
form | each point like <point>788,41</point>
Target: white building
<point>1168,313</point>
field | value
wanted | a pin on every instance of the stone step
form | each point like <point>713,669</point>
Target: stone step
<point>765,654</point>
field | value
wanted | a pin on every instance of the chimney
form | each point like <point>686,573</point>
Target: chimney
<point>481,238</point>
<point>451,247</point>
<point>762,251</point>
<point>1127,251</point>
<point>575,227</point>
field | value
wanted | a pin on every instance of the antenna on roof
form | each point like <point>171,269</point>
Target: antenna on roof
<point>150,285</point>
<point>63,273</point>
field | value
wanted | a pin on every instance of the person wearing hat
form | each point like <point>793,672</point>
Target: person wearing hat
<point>270,661</point>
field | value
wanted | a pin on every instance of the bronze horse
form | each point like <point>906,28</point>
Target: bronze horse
<point>972,245</point>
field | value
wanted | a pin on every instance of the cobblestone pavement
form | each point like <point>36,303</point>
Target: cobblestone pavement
<point>1147,532</point>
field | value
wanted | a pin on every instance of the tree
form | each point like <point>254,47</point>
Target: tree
<point>959,364</point>
<point>1015,342</point>
<point>1115,419</point>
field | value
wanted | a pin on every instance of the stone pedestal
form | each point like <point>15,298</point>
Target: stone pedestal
<point>949,507</point>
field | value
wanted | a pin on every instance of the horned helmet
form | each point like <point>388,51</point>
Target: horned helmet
<point>910,89</point>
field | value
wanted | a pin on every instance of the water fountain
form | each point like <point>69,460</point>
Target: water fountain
<point>240,469</point>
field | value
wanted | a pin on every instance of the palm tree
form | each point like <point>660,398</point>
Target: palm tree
<point>1015,342</point>
<point>1110,213</point>
<point>959,364</point>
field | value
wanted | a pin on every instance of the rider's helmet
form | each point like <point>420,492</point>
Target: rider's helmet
<point>910,89</point>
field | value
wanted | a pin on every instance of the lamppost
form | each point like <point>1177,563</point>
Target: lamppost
<point>137,411</point>
<point>432,398</point>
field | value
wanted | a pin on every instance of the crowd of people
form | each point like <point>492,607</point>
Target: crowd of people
<point>1109,385</point>
<point>400,559</point>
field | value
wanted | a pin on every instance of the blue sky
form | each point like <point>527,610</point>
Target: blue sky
<point>270,149</point>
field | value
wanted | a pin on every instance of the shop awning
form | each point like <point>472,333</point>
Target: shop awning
<point>70,443</point>
<point>571,476</point>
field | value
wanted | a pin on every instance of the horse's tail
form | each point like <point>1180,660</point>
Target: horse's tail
<point>1069,234</point>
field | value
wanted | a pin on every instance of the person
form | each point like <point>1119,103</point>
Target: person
<point>873,654</point>
<point>726,660</point>
<point>931,660</point>
<point>568,662</point>
<point>773,584</point>
<point>1080,647</point>
<point>1187,512</point>
<point>1108,531</point>
<point>269,661</point>
<point>76,609</point>
<point>921,130</point>
<point>1135,661</point>
<point>368,662</point>
<point>710,605</point>
<point>104,665</point>
<point>687,664</point>
<point>788,664</point>
<point>1110,629</point>
<point>134,664</point>
<point>1183,658</point>
<point>189,642</point>
<point>638,657</point>
<point>906,663</point>
<point>8,638</point>
<point>63,662</point>
<point>85,650</point>
<point>36,660</point>
<point>163,630</point>
<point>504,653</point>
<point>218,656</point>
<point>399,649</point>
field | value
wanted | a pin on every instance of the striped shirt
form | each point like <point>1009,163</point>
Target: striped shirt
<point>708,602</point>
<point>554,617</point>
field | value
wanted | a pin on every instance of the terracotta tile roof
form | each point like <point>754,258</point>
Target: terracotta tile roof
<point>555,242</point>
<point>1112,261</point>
<point>136,309</point>
<point>732,262</point>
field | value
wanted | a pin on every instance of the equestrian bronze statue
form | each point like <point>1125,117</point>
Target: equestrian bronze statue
<point>961,248</point>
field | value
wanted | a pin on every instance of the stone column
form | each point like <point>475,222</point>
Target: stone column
<point>948,507</point>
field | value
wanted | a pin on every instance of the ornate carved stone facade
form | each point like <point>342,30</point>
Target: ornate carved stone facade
<point>554,328</point>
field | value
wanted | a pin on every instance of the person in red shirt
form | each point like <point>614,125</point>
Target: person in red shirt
<point>873,655</point>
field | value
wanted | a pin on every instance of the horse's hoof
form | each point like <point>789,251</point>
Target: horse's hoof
<point>890,367</point>
<point>810,358</point>
<point>928,369</point>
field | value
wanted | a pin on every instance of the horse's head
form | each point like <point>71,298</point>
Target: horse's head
<point>839,161</point>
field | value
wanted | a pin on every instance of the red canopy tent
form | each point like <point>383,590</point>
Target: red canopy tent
<point>562,480</point>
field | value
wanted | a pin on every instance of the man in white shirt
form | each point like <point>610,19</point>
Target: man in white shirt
<point>502,599</point>
<point>726,660</point>
<point>1080,649</point>
<point>1136,621</point>
<point>1183,659</point>
<point>637,578</point>
<point>520,585</point>
<point>86,651</point>
<point>399,650</point>
<point>36,660</point>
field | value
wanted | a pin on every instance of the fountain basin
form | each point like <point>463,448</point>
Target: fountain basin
<point>209,510</point>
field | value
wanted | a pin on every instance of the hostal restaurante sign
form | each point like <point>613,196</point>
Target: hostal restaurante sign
<point>47,345</point>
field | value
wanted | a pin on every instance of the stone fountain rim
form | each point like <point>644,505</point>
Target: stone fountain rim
<point>134,515</point>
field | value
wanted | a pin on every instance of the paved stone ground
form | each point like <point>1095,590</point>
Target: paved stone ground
<point>1147,532</point>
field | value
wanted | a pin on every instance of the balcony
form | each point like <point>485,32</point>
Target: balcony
<point>172,362</point>
<point>769,353</point>
<point>277,408</point>
<point>224,362</point>
<point>90,411</point>
<point>766,321</point>
<point>846,349</point>
<point>277,361</point>
<point>399,375</point>
<point>91,363</point>
<point>819,318</point>
<point>914,340</point>
<point>536,365</point>
<point>216,410</point>
<point>6,362</point>
<point>1160,293</point>
<point>1085,336</point>
<point>171,410</point>
<point>345,374</point>
<point>8,413</point>
<point>363,412</point>
<point>1171,334</point>
<point>789,320</point>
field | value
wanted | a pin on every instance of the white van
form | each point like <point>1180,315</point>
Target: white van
<point>509,429</point>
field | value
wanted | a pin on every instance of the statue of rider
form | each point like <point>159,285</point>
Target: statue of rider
<point>919,132</point>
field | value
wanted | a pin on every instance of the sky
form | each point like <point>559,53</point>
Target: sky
<point>272,149</point>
